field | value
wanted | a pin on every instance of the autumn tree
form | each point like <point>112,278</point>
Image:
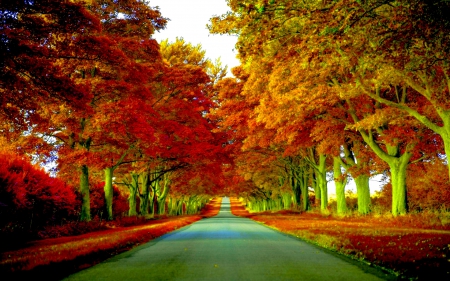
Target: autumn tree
<point>126,105</point>
<point>409,40</point>
<point>112,79</point>
<point>45,42</point>
<point>34,36</point>
<point>314,61</point>
<point>375,71</point>
<point>180,136</point>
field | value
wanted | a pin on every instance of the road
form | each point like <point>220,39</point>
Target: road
<point>226,247</point>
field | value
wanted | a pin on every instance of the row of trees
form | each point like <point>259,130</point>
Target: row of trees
<point>84,85</point>
<point>353,87</point>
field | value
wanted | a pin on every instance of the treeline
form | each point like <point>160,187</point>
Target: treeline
<point>119,118</point>
<point>349,87</point>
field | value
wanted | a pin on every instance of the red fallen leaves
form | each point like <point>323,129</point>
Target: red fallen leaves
<point>51,252</point>
<point>237,208</point>
<point>114,241</point>
<point>212,208</point>
<point>410,246</point>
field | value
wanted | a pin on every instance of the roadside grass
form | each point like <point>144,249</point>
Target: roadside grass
<point>65,255</point>
<point>409,246</point>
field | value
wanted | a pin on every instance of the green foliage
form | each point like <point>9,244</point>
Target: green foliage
<point>329,30</point>
<point>260,8</point>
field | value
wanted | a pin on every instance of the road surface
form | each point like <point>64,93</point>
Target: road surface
<point>226,247</point>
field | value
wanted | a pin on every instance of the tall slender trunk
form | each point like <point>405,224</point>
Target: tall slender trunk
<point>144,194</point>
<point>287,200</point>
<point>162,206</point>
<point>151,200</point>
<point>84,190</point>
<point>155,205</point>
<point>304,190</point>
<point>295,185</point>
<point>133,193</point>
<point>108,189</point>
<point>175,206</point>
<point>163,195</point>
<point>322,181</point>
<point>316,187</point>
<point>340,186</point>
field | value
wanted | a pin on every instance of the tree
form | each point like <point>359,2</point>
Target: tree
<point>33,37</point>
<point>309,58</point>
<point>113,82</point>
<point>163,130</point>
<point>410,40</point>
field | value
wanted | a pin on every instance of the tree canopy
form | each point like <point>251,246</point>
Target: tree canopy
<point>326,91</point>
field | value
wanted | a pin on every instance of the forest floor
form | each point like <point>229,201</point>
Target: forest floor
<point>408,246</point>
<point>65,255</point>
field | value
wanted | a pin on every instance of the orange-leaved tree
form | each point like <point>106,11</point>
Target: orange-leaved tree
<point>310,52</point>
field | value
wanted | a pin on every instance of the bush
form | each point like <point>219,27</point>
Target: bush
<point>429,188</point>
<point>98,204</point>
<point>30,199</point>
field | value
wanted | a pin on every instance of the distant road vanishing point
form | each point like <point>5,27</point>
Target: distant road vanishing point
<point>226,247</point>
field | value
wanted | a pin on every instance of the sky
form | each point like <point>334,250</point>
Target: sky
<point>188,19</point>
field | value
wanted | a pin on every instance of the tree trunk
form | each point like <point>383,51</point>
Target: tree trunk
<point>151,200</point>
<point>174,206</point>
<point>340,186</point>
<point>155,204</point>
<point>446,139</point>
<point>287,201</point>
<point>84,190</point>
<point>144,194</point>
<point>397,164</point>
<point>322,181</point>
<point>315,187</point>
<point>161,206</point>
<point>363,192</point>
<point>108,189</point>
<point>295,185</point>
<point>163,195</point>
<point>133,193</point>
<point>304,191</point>
<point>398,180</point>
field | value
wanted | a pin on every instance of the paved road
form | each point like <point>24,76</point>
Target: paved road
<point>227,247</point>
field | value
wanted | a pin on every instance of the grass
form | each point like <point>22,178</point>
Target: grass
<point>409,246</point>
<point>66,255</point>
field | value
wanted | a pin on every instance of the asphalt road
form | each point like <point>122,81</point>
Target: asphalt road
<point>227,247</point>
